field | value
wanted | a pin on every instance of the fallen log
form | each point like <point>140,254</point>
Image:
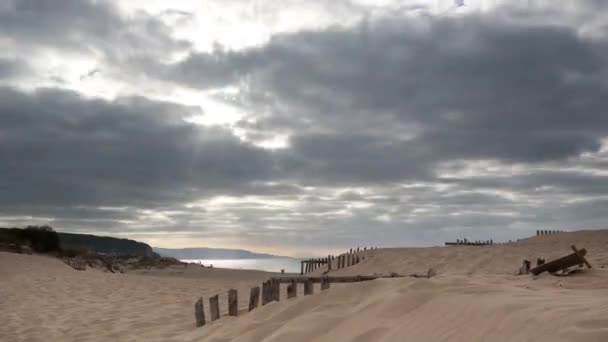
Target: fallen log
<point>563,263</point>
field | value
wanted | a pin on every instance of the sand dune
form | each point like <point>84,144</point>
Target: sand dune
<point>475,297</point>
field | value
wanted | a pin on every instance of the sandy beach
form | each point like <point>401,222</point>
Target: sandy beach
<point>475,296</point>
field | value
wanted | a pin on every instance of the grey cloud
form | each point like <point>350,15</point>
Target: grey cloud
<point>61,148</point>
<point>94,27</point>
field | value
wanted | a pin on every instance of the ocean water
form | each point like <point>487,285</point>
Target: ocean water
<point>266,264</point>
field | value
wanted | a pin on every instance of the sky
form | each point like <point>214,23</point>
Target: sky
<point>304,127</point>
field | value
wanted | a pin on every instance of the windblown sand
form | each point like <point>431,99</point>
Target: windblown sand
<point>474,297</point>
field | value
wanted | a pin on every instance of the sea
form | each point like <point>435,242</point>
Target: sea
<point>265,264</point>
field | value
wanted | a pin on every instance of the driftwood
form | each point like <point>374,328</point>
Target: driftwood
<point>199,313</point>
<point>563,263</point>
<point>214,308</point>
<point>254,298</point>
<point>233,303</point>
<point>308,289</point>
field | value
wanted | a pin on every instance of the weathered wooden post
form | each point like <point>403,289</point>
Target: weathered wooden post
<point>265,292</point>
<point>276,290</point>
<point>292,290</point>
<point>233,303</point>
<point>328,263</point>
<point>214,308</point>
<point>576,258</point>
<point>325,283</point>
<point>348,259</point>
<point>308,289</point>
<point>254,298</point>
<point>302,267</point>
<point>351,251</point>
<point>199,313</point>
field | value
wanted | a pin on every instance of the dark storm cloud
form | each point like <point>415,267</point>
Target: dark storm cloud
<point>95,27</point>
<point>10,68</point>
<point>466,88</point>
<point>58,147</point>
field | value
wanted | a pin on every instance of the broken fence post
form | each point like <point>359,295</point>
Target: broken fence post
<point>254,298</point>
<point>325,283</point>
<point>308,289</point>
<point>292,290</point>
<point>214,308</point>
<point>199,313</point>
<point>276,290</point>
<point>266,292</point>
<point>233,303</point>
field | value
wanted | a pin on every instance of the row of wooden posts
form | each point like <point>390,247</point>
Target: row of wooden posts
<point>548,232</point>
<point>270,292</point>
<point>343,260</point>
<point>466,242</point>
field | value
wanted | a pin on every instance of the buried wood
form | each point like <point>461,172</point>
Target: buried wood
<point>214,308</point>
<point>233,303</point>
<point>336,279</point>
<point>563,263</point>
<point>254,298</point>
<point>276,290</point>
<point>199,313</point>
<point>266,292</point>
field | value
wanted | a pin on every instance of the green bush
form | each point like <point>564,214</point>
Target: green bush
<point>42,239</point>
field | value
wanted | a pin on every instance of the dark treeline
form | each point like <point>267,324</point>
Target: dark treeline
<point>44,239</point>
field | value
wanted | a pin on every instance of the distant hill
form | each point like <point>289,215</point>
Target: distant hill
<point>212,253</point>
<point>69,241</point>
<point>105,244</point>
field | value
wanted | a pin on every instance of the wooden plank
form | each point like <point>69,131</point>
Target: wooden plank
<point>233,302</point>
<point>325,283</point>
<point>276,290</point>
<point>334,279</point>
<point>308,287</point>
<point>292,290</point>
<point>214,308</point>
<point>562,263</point>
<point>265,292</point>
<point>199,313</point>
<point>254,298</point>
<point>581,256</point>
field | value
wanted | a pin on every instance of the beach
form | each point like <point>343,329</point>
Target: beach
<point>476,296</point>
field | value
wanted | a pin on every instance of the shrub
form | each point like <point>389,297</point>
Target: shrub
<point>42,239</point>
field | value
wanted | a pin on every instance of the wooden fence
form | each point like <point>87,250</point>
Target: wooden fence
<point>352,257</point>
<point>548,232</point>
<point>270,292</point>
<point>466,242</point>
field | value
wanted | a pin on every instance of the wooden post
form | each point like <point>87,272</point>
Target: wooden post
<point>328,263</point>
<point>233,302</point>
<point>348,259</point>
<point>302,267</point>
<point>199,313</point>
<point>292,290</point>
<point>276,291</point>
<point>265,292</point>
<point>214,308</point>
<point>308,289</point>
<point>576,258</point>
<point>254,298</point>
<point>325,283</point>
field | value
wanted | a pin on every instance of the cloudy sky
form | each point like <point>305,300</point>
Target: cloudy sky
<point>303,127</point>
